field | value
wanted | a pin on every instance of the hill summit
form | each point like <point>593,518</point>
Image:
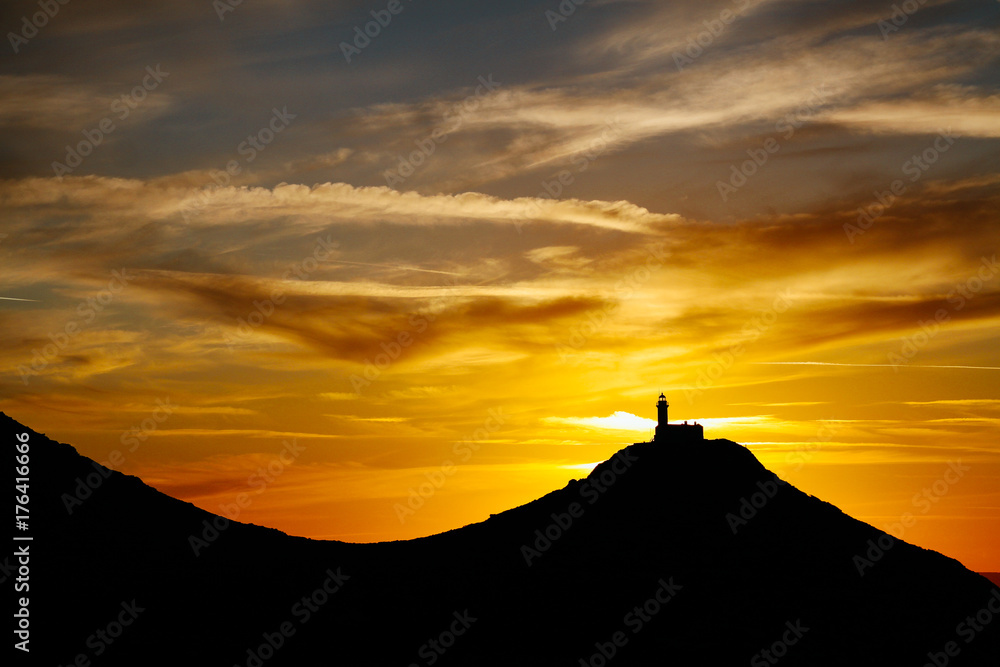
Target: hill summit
<point>666,553</point>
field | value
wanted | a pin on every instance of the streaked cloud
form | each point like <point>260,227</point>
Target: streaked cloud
<point>828,363</point>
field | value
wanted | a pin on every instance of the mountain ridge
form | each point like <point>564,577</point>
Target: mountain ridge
<point>570,577</point>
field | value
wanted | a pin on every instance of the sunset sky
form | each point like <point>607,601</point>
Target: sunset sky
<point>470,251</point>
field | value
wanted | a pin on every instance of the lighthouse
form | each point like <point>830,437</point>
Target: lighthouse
<point>661,412</point>
<point>674,433</point>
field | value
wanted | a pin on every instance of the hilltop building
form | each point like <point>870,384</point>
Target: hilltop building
<point>671,433</point>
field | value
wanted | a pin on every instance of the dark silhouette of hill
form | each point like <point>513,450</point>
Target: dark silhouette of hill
<point>640,561</point>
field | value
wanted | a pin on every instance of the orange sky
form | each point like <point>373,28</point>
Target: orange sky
<point>329,339</point>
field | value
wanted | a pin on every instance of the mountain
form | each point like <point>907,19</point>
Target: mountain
<point>690,554</point>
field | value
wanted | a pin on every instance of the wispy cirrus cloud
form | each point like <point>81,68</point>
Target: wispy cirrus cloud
<point>833,363</point>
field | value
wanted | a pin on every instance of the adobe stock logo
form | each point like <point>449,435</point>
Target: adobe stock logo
<point>30,27</point>
<point>88,310</point>
<point>121,107</point>
<point>750,506</point>
<point>634,620</point>
<point>363,38</point>
<point>591,490</point>
<point>566,9</point>
<point>779,649</point>
<point>877,547</point>
<point>915,168</point>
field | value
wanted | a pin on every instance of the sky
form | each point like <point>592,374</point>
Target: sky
<point>374,270</point>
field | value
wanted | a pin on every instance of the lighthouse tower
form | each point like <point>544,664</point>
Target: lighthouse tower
<point>661,413</point>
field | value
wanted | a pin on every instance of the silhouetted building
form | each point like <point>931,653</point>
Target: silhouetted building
<point>667,432</point>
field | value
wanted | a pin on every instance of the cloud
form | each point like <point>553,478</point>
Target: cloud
<point>353,321</point>
<point>162,201</point>
<point>338,396</point>
<point>951,110</point>
<point>783,405</point>
<point>828,73</point>
<point>622,421</point>
<point>829,363</point>
<point>488,289</point>
<point>45,105</point>
<point>961,402</point>
<point>331,159</point>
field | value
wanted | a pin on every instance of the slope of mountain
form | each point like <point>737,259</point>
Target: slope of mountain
<point>662,555</point>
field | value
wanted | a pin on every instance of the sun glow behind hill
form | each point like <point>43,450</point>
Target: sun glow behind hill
<point>619,421</point>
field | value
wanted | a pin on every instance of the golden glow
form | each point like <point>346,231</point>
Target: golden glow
<point>458,397</point>
<point>365,358</point>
